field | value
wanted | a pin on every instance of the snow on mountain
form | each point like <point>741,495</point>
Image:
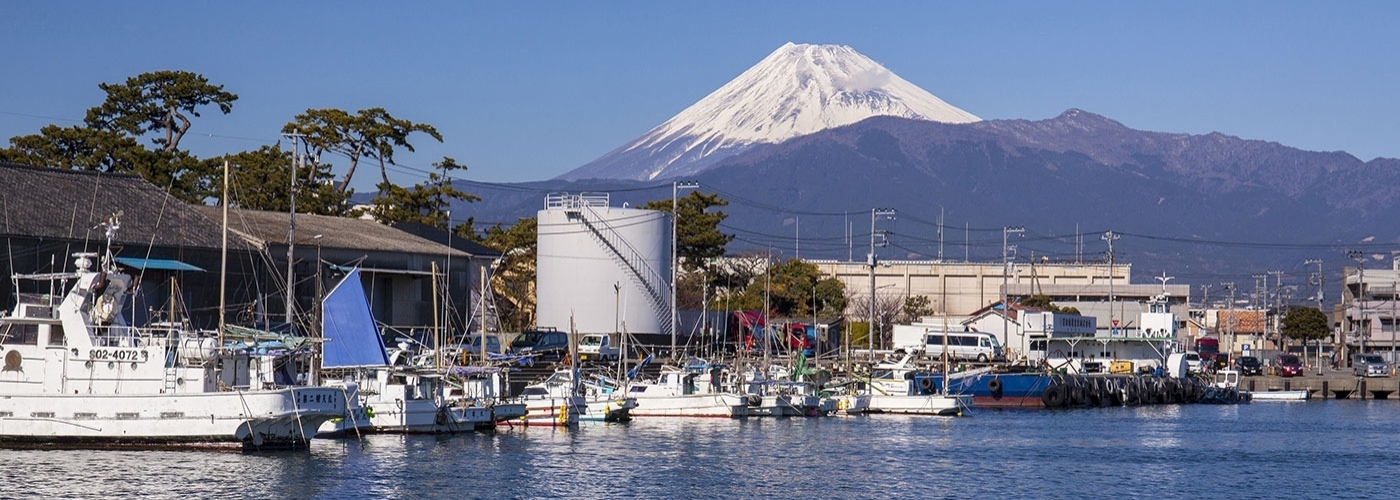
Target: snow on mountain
<point>796,90</point>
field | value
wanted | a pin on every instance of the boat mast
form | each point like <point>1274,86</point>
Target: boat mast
<point>292,228</point>
<point>437,326</point>
<point>223,261</point>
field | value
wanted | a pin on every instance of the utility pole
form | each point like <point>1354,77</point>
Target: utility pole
<point>940,234</point>
<point>292,224</point>
<point>1005,271</point>
<point>1360,259</point>
<point>1317,280</point>
<point>1278,306</point>
<point>1164,279</point>
<point>872,261</point>
<point>1110,237</point>
<point>1230,316</point>
<point>676,186</point>
<point>1260,301</point>
<point>1205,297</point>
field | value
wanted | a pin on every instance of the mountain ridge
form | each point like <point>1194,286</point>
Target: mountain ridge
<point>794,91</point>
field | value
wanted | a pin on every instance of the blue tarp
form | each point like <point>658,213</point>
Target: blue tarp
<point>161,264</point>
<point>352,338</point>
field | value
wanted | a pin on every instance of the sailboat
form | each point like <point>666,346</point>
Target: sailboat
<point>402,395</point>
<point>76,374</point>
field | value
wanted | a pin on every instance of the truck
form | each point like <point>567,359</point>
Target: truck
<point>1208,348</point>
<point>597,347</point>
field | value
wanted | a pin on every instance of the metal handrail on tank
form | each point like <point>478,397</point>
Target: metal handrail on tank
<point>565,200</point>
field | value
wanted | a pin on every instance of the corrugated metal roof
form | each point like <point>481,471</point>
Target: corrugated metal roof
<point>69,204</point>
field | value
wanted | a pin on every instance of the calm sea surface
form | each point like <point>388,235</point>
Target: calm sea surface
<point>1328,449</point>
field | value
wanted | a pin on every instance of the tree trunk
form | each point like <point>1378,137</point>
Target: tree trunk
<point>350,172</point>
<point>170,145</point>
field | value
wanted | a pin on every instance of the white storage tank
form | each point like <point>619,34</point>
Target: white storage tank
<point>586,247</point>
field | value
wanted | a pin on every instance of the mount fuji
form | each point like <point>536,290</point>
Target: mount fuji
<point>797,90</point>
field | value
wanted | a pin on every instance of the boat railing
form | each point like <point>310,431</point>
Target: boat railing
<point>129,336</point>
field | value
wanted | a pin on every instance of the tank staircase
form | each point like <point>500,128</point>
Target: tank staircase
<point>632,261</point>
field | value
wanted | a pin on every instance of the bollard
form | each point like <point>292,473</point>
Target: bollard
<point>1363,390</point>
<point>1324,389</point>
<point>1251,385</point>
<point>1287,385</point>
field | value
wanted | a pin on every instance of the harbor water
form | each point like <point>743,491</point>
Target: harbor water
<point>1319,449</point>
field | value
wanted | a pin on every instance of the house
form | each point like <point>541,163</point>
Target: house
<point>399,270</point>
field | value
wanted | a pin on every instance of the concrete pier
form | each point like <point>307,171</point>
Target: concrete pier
<point>1332,384</point>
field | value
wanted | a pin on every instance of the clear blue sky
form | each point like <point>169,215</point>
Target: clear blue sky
<point>528,90</point>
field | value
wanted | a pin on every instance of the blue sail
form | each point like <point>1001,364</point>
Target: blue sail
<point>352,338</point>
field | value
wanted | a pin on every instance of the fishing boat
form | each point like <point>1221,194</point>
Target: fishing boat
<point>695,390</point>
<point>900,387</point>
<point>483,386</point>
<point>398,391</point>
<point>602,399</point>
<point>76,374</point>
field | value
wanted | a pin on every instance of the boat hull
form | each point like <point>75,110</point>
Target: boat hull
<point>935,404</point>
<point>693,405</point>
<point>1279,396</point>
<point>609,410</point>
<point>1012,390</point>
<point>553,412</point>
<point>253,420</point>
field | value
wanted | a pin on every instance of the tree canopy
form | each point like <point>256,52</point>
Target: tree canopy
<point>427,203</point>
<point>1043,302</point>
<point>790,288</point>
<point>369,133</point>
<point>1305,323</point>
<point>697,228</point>
<point>154,102</point>
<point>261,182</point>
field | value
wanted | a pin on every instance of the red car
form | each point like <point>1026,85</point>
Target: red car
<point>1289,366</point>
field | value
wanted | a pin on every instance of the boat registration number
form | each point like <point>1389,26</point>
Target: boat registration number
<point>119,354</point>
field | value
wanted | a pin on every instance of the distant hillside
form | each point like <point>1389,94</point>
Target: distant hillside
<point>1046,175</point>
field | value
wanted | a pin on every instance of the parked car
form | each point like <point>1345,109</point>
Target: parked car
<point>1289,366</point>
<point>469,347</point>
<point>1193,362</point>
<point>597,347</point>
<point>1249,365</point>
<point>548,344</point>
<point>1369,365</point>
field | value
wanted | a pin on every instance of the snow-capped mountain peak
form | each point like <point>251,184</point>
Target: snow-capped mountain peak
<point>797,90</point>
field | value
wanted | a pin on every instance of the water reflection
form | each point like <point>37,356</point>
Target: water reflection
<point>1148,451</point>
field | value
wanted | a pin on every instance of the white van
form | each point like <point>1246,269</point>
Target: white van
<point>973,346</point>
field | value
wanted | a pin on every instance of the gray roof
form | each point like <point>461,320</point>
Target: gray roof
<point>43,202</point>
<point>270,228</point>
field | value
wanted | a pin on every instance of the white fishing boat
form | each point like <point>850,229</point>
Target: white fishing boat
<point>483,386</point>
<point>602,401</point>
<point>1230,379</point>
<point>693,391</point>
<point>915,401</point>
<point>77,375</point>
<point>402,393</point>
<point>543,409</point>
